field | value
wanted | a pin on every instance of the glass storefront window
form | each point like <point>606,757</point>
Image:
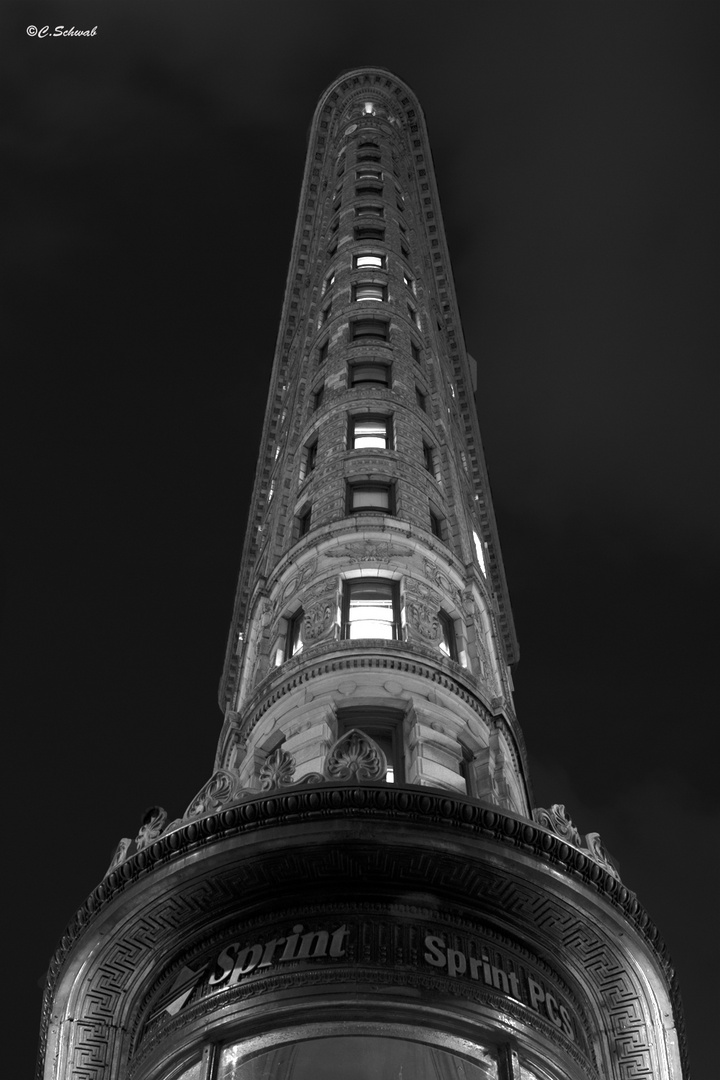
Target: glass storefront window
<point>356,1057</point>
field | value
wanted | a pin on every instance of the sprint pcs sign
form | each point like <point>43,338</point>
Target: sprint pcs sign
<point>494,968</point>
<point>516,982</point>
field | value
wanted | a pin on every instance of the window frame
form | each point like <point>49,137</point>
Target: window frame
<point>384,419</point>
<point>376,364</point>
<point>380,265</point>
<point>367,321</point>
<point>370,210</point>
<point>386,486</point>
<point>363,233</point>
<point>393,590</point>
<point>294,637</point>
<point>449,636</point>
<point>377,286</point>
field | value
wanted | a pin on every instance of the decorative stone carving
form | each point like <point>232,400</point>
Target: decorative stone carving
<point>318,619</point>
<point>277,771</point>
<point>600,853</point>
<point>369,551</point>
<point>307,572</point>
<point>355,757</point>
<point>557,821</point>
<point>423,619</point>
<point>121,852</point>
<point>213,795</point>
<point>152,826</point>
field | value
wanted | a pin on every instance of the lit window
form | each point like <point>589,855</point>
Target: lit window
<point>408,281</point>
<point>369,328</point>
<point>329,282</point>
<point>295,634</point>
<point>368,174</point>
<point>370,432</point>
<point>369,210</point>
<point>369,262</point>
<point>369,374</point>
<point>377,498</point>
<point>448,644</point>
<point>368,290</point>
<point>371,609</point>
<point>479,553</point>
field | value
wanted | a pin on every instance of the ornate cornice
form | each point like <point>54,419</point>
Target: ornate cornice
<point>380,803</point>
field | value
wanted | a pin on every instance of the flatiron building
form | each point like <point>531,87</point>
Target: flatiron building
<point>363,887</point>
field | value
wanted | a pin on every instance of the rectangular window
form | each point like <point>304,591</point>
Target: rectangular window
<point>369,174</point>
<point>376,498</point>
<point>310,457</point>
<point>415,351</point>
<point>436,525</point>
<point>325,313</point>
<point>413,315</point>
<point>404,252</point>
<point>429,456</point>
<point>369,210</point>
<point>295,634</point>
<point>303,522</point>
<point>329,282</point>
<point>368,290</point>
<point>447,631</point>
<point>370,433</point>
<point>408,281</point>
<point>364,329</point>
<point>369,374</point>
<point>371,609</point>
<point>368,261</point>
<point>420,399</point>
<point>369,232</point>
<point>318,396</point>
<point>322,353</point>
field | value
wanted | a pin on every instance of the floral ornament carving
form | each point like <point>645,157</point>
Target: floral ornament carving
<point>307,572</point>
<point>556,820</point>
<point>355,757</point>
<point>318,619</point>
<point>600,853</point>
<point>424,619</point>
<point>277,770</point>
<point>121,853</point>
<point>152,826</point>
<point>213,795</point>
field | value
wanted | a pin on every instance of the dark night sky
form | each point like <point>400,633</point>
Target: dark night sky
<point>151,184</point>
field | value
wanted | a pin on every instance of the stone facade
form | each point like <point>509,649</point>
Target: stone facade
<point>363,880</point>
